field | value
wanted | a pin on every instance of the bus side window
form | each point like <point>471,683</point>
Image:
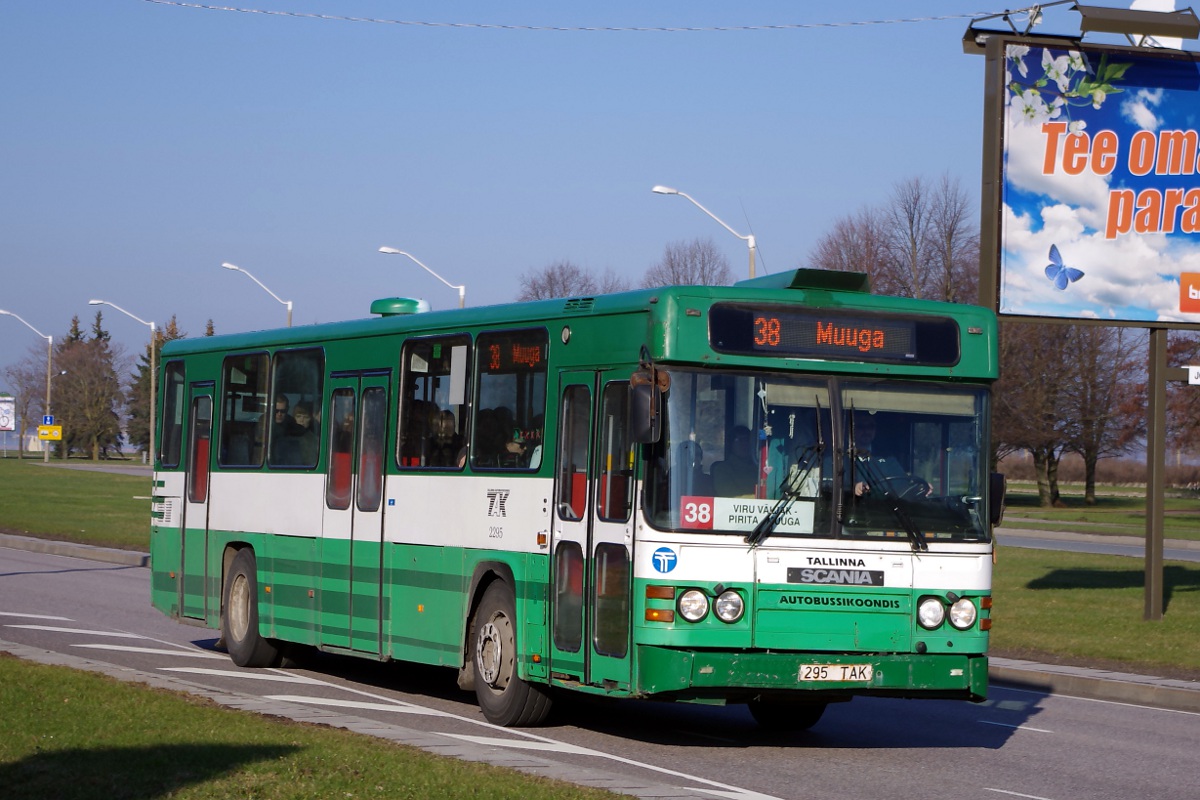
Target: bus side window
<point>341,450</point>
<point>244,410</point>
<point>433,402</point>
<point>573,452</point>
<point>510,399</point>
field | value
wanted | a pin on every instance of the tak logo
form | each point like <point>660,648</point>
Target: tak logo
<point>496,500</point>
<point>664,559</point>
<point>1189,292</point>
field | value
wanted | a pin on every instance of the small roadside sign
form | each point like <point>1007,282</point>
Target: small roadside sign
<point>1193,375</point>
<point>48,419</point>
<point>50,432</point>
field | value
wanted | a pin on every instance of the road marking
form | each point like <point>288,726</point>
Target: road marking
<point>35,616</point>
<point>153,651</point>
<point>1048,695</point>
<point>406,708</point>
<point>254,676</point>
<point>1017,727</point>
<point>53,629</point>
<point>1016,794</point>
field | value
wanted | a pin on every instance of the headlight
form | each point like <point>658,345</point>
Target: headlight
<point>729,606</point>
<point>931,613</point>
<point>693,605</point>
<point>962,614</point>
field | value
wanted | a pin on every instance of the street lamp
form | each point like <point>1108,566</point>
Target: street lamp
<point>153,368</point>
<point>462,290</point>
<point>287,303</point>
<point>49,356</point>
<point>748,239</point>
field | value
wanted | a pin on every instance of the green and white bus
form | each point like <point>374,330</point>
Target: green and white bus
<point>774,493</point>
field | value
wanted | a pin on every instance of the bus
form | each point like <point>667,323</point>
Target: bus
<point>775,493</point>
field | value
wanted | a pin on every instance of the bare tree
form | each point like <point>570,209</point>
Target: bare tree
<point>694,263</point>
<point>567,279</point>
<point>28,378</point>
<point>921,242</point>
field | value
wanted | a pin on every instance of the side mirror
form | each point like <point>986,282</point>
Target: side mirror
<point>997,486</point>
<point>645,413</point>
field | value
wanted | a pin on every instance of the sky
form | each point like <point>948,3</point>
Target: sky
<point>145,142</point>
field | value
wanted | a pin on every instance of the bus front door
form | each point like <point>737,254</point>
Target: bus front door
<point>193,567</point>
<point>352,531</point>
<point>593,533</point>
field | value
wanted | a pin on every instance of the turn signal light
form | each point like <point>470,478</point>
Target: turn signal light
<point>985,602</point>
<point>660,615</point>
<point>660,592</point>
<point>985,624</point>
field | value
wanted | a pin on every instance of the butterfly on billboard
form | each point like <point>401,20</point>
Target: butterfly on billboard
<point>1060,273</point>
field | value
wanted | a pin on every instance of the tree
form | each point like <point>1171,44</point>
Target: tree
<point>1098,397</point>
<point>922,242</point>
<point>1029,408</point>
<point>1183,400</point>
<point>684,263</point>
<point>28,379</point>
<point>566,279</point>
<point>137,427</point>
<point>90,399</point>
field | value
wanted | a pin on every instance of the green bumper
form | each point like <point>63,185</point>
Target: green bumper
<point>715,674</point>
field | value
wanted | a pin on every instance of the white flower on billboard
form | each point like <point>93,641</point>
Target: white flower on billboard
<point>1066,81</point>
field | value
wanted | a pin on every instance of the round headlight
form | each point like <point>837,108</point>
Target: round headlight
<point>693,605</point>
<point>730,607</point>
<point>962,614</point>
<point>931,613</point>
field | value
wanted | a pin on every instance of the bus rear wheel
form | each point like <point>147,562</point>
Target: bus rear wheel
<point>503,696</point>
<point>783,716</point>
<point>239,622</point>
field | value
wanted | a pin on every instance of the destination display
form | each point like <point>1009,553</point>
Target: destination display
<point>791,332</point>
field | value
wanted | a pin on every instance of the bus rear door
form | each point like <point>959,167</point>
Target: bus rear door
<point>593,533</point>
<point>352,529</point>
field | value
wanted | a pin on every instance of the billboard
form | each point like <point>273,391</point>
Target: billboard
<point>8,413</point>
<point>1099,189</point>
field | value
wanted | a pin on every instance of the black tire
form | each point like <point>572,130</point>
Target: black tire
<point>239,616</point>
<point>505,699</point>
<point>782,715</point>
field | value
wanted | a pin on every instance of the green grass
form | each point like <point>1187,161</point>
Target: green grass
<point>94,508</point>
<point>1088,610</point>
<point>1119,511</point>
<point>71,734</point>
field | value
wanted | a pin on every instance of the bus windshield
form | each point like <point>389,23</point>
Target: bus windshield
<point>820,458</point>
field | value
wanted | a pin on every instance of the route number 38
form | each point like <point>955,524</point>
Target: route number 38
<point>696,513</point>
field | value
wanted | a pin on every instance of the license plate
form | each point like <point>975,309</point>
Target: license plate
<point>836,672</point>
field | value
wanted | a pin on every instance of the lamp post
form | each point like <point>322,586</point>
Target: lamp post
<point>462,290</point>
<point>748,239</point>
<point>153,369</point>
<point>287,303</point>
<point>49,356</point>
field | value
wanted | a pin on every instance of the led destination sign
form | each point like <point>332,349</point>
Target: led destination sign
<point>806,333</point>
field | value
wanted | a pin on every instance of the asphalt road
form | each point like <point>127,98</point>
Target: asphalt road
<point>1020,743</point>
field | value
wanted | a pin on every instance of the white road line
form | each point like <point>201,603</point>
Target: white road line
<point>34,616</point>
<point>1046,696</point>
<point>86,632</point>
<point>718,789</point>
<point>256,675</point>
<point>153,651</point>
<point>1015,794</point>
<point>1017,727</point>
<point>358,704</point>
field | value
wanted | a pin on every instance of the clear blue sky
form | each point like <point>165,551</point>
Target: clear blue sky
<point>144,144</point>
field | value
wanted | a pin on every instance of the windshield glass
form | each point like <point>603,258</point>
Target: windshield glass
<point>890,457</point>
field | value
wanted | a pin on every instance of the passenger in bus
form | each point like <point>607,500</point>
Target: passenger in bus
<point>737,475</point>
<point>303,438</point>
<point>445,442</point>
<point>414,441</point>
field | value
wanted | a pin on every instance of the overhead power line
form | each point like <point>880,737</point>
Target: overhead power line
<point>587,29</point>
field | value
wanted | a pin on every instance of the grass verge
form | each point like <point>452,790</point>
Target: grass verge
<point>1076,608</point>
<point>72,734</point>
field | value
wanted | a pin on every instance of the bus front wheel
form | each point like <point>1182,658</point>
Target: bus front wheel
<point>239,623</point>
<point>503,696</point>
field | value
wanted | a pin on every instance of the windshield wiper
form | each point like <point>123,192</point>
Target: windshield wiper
<point>790,489</point>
